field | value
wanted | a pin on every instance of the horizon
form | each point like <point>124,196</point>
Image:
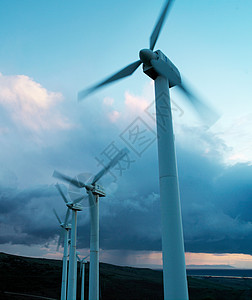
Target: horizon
<point>148,266</point>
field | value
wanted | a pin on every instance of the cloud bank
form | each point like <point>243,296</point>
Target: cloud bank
<point>215,196</point>
<point>216,206</point>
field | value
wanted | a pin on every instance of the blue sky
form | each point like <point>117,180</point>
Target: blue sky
<point>52,49</point>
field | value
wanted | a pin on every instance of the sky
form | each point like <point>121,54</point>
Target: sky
<point>50,50</point>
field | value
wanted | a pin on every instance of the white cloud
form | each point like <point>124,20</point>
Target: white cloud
<point>30,105</point>
<point>207,143</point>
<point>237,134</point>
<point>114,116</point>
<point>108,101</point>
<point>229,140</point>
<point>135,104</point>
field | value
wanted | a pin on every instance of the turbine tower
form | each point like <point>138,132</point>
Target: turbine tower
<point>165,74</point>
<point>76,276</point>
<point>94,191</point>
<point>65,231</point>
<point>73,206</point>
<point>83,262</point>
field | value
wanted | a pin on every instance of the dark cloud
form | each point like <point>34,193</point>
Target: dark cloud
<point>215,198</point>
<point>216,201</point>
<point>216,206</point>
<point>26,215</point>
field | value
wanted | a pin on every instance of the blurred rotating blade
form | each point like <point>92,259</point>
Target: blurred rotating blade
<point>66,217</point>
<point>61,192</point>
<point>208,115</point>
<point>68,179</point>
<point>75,192</point>
<point>110,165</point>
<point>130,69</point>
<point>157,29</point>
<point>61,237</point>
<point>85,201</point>
<point>56,215</point>
<point>91,198</point>
<point>78,199</point>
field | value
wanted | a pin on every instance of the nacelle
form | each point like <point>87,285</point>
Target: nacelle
<point>99,190</point>
<point>164,67</point>
<point>75,206</point>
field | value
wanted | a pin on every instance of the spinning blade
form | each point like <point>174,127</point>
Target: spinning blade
<point>68,179</point>
<point>91,197</point>
<point>110,165</point>
<point>60,238</point>
<point>76,192</point>
<point>207,114</point>
<point>56,215</point>
<point>157,29</point>
<point>61,192</point>
<point>66,217</point>
<point>127,71</point>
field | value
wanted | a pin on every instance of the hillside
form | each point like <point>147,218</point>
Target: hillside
<point>42,277</point>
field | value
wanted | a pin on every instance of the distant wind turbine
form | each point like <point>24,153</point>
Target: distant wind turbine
<point>165,74</point>
<point>94,191</point>
<point>65,231</point>
<point>74,206</point>
<point>83,262</point>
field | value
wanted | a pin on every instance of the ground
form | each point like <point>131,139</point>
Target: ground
<point>42,277</point>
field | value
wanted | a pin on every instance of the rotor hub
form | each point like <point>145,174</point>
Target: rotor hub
<point>146,55</point>
<point>74,206</point>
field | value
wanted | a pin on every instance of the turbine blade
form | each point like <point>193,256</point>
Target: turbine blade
<point>60,238</point>
<point>66,217</point>
<point>157,29</point>
<point>208,115</point>
<point>86,257</point>
<point>61,192</point>
<point>68,179</point>
<point>91,198</point>
<point>78,199</point>
<point>130,69</point>
<point>110,165</point>
<point>56,215</point>
<point>78,258</point>
<point>59,242</point>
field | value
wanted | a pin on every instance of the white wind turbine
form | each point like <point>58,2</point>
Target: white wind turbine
<point>94,191</point>
<point>83,262</point>
<point>158,67</point>
<point>75,207</point>
<point>65,230</point>
<point>76,276</point>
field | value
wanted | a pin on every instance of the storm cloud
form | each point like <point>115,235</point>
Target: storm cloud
<point>215,196</point>
<point>216,206</point>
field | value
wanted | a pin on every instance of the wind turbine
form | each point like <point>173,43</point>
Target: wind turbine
<point>83,262</point>
<point>94,191</point>
<point>75,283</point>
<point>65,230</point>
<point>165,74</point>
<point>74,206</point>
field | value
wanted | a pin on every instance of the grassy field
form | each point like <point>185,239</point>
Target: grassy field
<point>42,277</point>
